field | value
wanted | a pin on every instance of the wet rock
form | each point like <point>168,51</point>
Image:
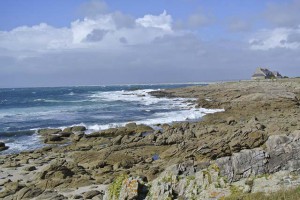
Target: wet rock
<point>3,146</point>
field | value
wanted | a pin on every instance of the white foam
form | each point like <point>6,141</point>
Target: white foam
<point>140,96</point>
<point>47,100</point>
<point>159,118</point>
<point>32,142</point>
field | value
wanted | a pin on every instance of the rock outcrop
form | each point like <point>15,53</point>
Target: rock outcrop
<point>253,146</point>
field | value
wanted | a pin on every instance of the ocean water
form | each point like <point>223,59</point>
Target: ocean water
<point>24,110</point>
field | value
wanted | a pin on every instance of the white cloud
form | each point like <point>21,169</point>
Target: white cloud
<point>274,38</point>
<point>117,48</point>
<point>82,28</point>
<point>102,31</point>
<point>163,21</point>
<point>39,37</point>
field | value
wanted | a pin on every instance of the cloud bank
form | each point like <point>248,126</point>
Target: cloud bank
<point>110,47</point>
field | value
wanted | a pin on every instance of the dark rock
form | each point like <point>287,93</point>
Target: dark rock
<point>77,196</point>
<point>102,164</point>
<point>30,168</point>
<point>2,146</point>
<point>65,134</point>
<point>53,139</point>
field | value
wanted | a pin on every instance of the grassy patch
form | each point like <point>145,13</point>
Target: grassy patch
<point>235,191</point>
<point>207,174</point>
<point>292,194</point>
<point>167,179</point>
<point>116,186</point>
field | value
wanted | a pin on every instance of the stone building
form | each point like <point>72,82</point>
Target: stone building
<point>264,73</point>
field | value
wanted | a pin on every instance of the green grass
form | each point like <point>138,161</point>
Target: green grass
<point>116,186</point>
<point>292,194</point>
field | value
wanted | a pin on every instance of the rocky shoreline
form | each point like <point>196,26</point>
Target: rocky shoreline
<point>253,146</point>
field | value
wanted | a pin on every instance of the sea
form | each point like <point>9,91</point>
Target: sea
<point>25,110</point>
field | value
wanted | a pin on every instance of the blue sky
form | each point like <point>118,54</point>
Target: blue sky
<point>60,13</point>
<point>133,41</point>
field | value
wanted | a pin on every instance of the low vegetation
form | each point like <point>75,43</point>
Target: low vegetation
<point>116,186</point>
<point>292,194</point>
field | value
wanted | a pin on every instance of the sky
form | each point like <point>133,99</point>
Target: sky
<point>97,42</point>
